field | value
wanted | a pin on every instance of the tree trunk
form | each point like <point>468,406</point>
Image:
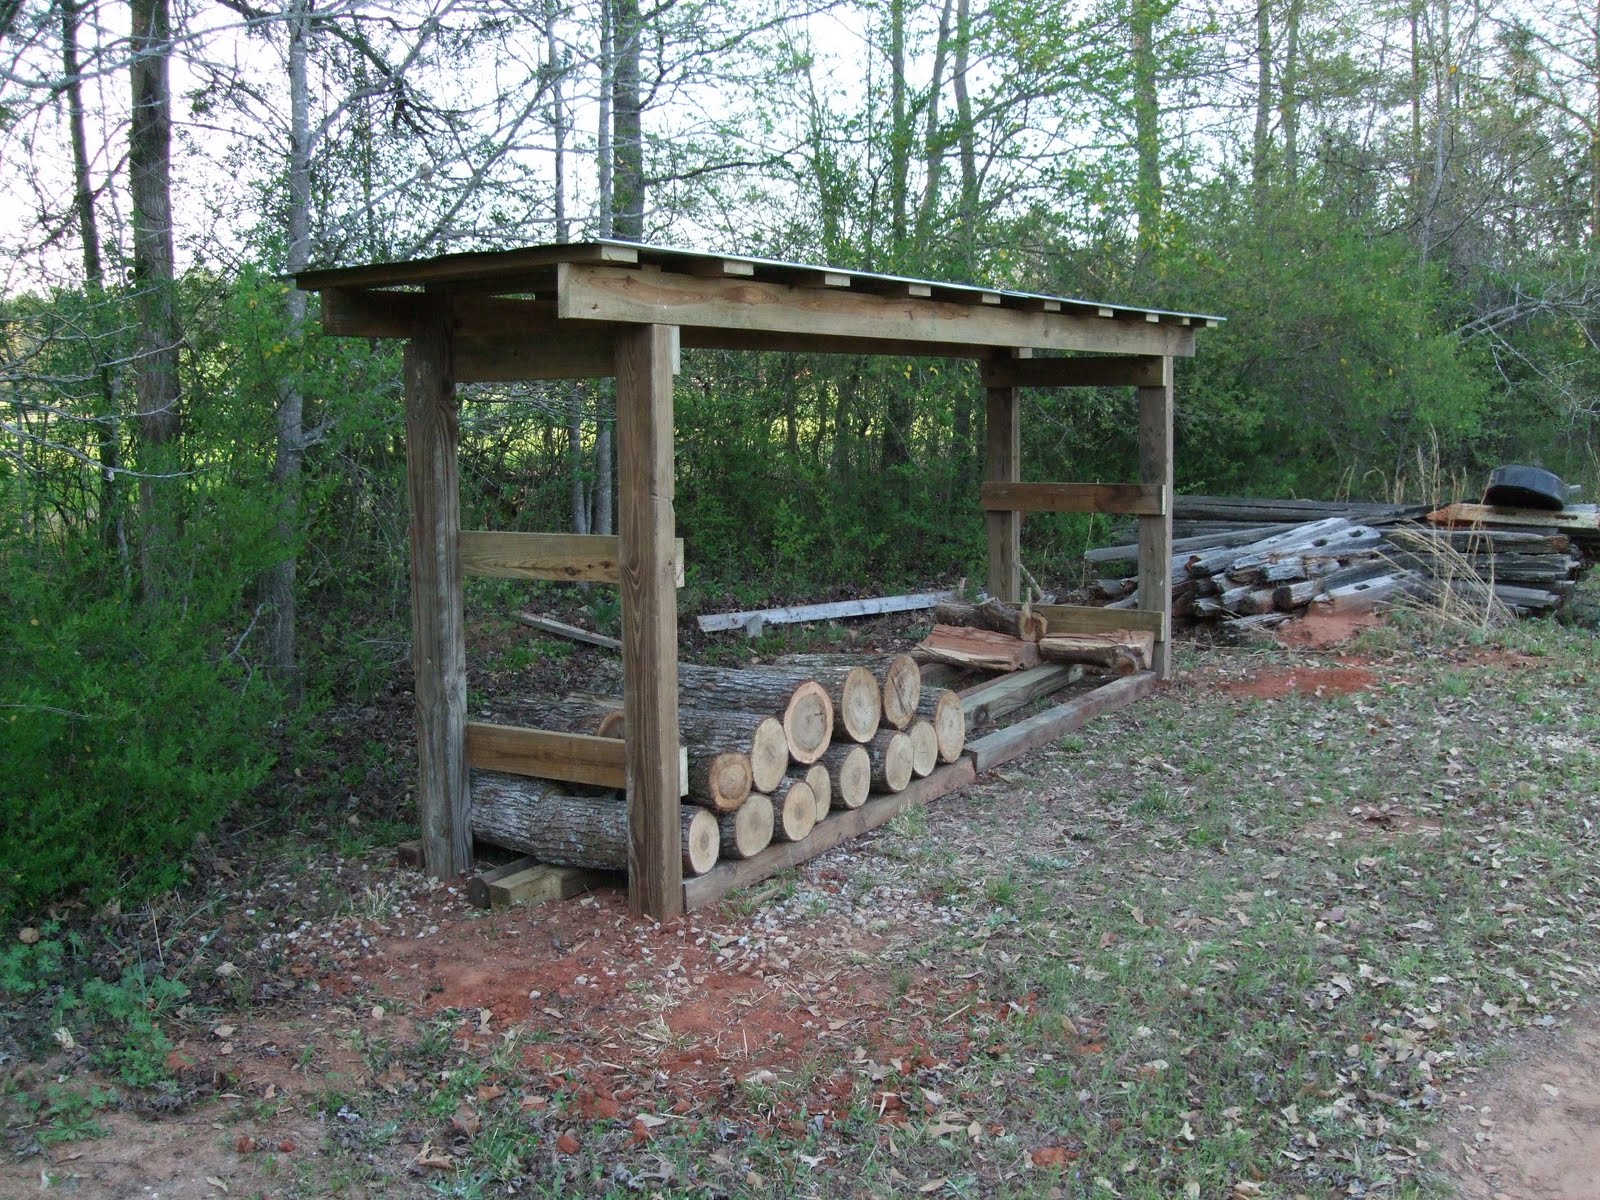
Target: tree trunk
<point>1146,125</point>
<point>746,833</point>
<point>850,773</point>
<point>533,816</point>
<point>155,367</point>
<point>1289,90</point>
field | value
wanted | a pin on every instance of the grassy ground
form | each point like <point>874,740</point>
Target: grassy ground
<point>1223,944</point>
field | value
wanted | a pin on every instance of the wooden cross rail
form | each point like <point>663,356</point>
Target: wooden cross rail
<point>1076,618</point>
<point>590,557</point>
<point>1130,498</point>
<point>552,754</point>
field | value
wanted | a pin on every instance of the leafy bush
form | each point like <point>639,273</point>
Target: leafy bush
<point>126,730</point>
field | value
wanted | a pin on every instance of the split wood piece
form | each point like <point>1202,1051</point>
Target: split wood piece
<point>532,816</point>
<point>998,616</point>
<point>841,827</point>
<point>987,702</point>
<point>571,632</point>
<point>1242,627</point>
<point>794,809</point>
<point>979,649</point>
<point>899,678</point>
<point>946,712</point>
<point>1236,537</point>
<point>1297,595</point>
<point>821,787</point>
<point>528,881</point>
<point>889,755</point>
<point>1120,651</point>
<point>924,748</point>
<point>1574,519</point>
<point>1003,745</point>
<point>746,833</point>
<point>849,768</point>
<point>798,701</point>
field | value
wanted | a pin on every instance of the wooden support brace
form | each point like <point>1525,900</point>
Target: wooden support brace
<point>1155,530</point>
<point>590,557</point>
<point>553,754</point>
<point>1118,370</point>
<point>1002,464</point>
<point>644,362</point>
<point>1131,498</point>
<point>1085,618</point>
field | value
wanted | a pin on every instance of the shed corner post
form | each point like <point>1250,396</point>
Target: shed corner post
<point>1002,463</point>
<point>1155,532</point>
<point>645,357</point>
<point>438,629</point>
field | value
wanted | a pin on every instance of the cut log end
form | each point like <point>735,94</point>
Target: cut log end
<point>946,712</point>
<point>808,722</point>
<point>924,748</point>
<point>860,704</point>
<point>720,782</point>
<point>850,769</point>
<point>821,785</point>
<point>902,689</point>
<point>891,756</point>
<point>747,832</point>
<point>794,813</point>
<point>702,841</point>
<point>769,755</point>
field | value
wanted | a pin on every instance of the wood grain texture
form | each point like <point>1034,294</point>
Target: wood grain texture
<point>1085,618</point>
<point>571,557</point>
<point>841,826</point>
<point>438,630</point>
<point>1123,370</point>
<point>649,617</point>
<point>1002,464</point>
<point>555,754</point>
<point>586,292</point>
<point>987,702</point>
<point>1155,529</point>
<point>1005,744</point>
<point>1128,498</point>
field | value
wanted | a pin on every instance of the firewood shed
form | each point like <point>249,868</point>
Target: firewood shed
<point>613,309</point>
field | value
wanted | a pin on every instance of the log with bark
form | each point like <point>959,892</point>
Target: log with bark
<point>1121,652</point>
<point>799,702</point>
<point>898,675</point>
<point>746,833</point>
<point>889,755</point>
<point>534,816</point>
<point>997,616</point>
<point>850,773</point>
<point>944,710</point>
<point>760,739</point>
<point>794,809</point>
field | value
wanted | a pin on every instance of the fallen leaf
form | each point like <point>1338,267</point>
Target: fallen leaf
<point>466,1121</point>
<point>567,1144</point>
<point>28,935</point>
<point>217,1183</point>
<point>933,1185</point>
<point>224,1032</point>
<point>245,1144</point>
<point>437,1159</point>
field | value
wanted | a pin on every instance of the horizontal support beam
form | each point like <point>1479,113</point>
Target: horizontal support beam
<point>1080,618</point>
<point>551,754</point>
<point>569,354</point>
<point>1137,499</point>
<point>597,293</point>
<point>1122,370</point>
<point>1001,746</point>
<point>570,557</point>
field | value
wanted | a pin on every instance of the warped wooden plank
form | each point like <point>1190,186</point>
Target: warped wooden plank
<point>839,826</point>
<point>570,632</point>
<point>1085,618</point>
<point>1123,370</point>
<point>792,613</point>
<point>1574,517</point>
<point>994,698</point>
<point>1127,498</point>
<point>1005,744</point>
<point>591,557</point>
<point>586,292</point>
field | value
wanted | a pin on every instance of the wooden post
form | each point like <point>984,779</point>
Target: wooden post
<point>1155,532</point>
<point>1003,464</point>
<point>438,635</point>
<point>644,356</point>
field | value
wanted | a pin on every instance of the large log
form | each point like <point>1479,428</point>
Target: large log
<point>946,712</point>
<point>857,697</point>
<point>979,649</point>
<point>748,832</point>
<point>998,616</point>
<point>759,739</point>
<point>924,748</point>
<point>849,768</point>
<point>890,756</point>
<point>821,785</point>
<point>798,701</point>
<point>535,817</point>
<point>794,809</point>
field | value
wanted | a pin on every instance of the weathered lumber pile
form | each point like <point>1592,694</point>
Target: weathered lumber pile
<point>1269,565</point>
<point>771,751</point>
<point>1001,637</point>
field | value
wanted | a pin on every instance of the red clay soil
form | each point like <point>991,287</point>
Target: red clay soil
<point>1303,681</point>
<point>1318,631</point>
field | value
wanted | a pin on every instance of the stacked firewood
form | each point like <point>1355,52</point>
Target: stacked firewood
<point>1267,572</point>
<point>771,751</point>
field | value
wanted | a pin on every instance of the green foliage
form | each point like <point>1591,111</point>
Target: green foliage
<point>128,1040</point>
